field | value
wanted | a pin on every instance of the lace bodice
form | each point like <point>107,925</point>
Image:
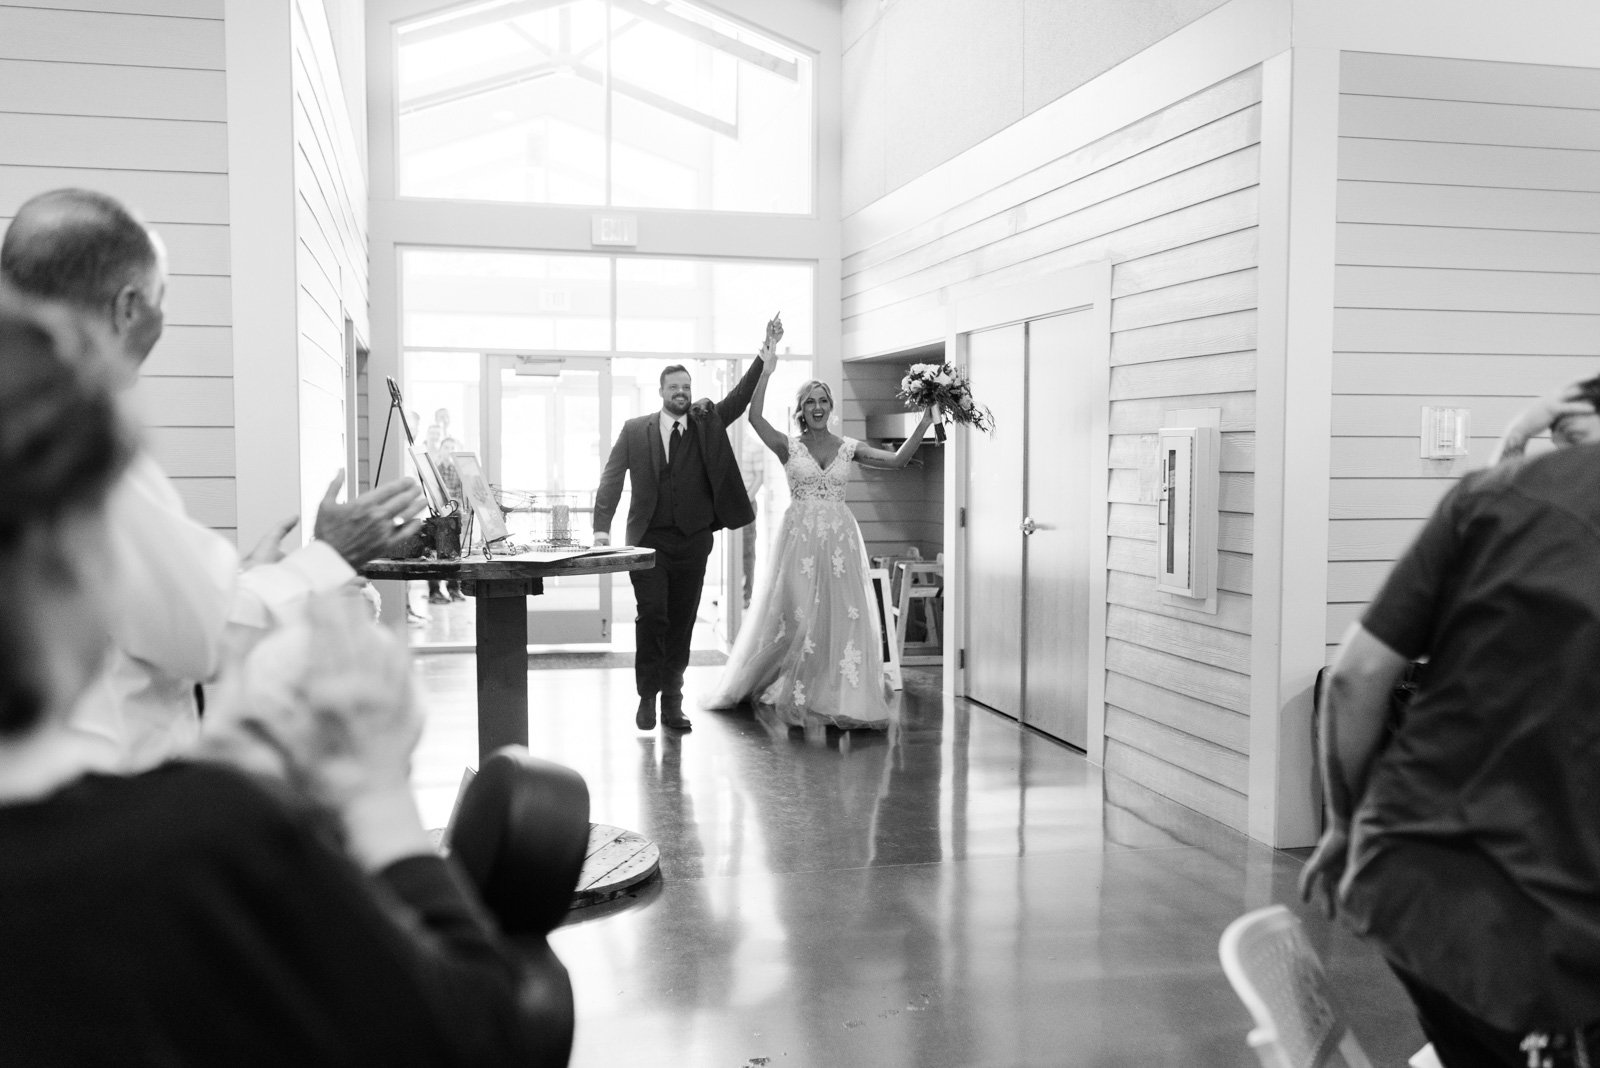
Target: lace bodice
<point>808,481</point>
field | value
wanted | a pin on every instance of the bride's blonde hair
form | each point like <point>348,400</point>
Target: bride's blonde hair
<point>800,401</point>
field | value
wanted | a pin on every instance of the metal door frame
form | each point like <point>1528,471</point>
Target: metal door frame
<point>1084,288</point>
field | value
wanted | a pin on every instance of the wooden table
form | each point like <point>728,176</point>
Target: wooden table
<point>499,585</point>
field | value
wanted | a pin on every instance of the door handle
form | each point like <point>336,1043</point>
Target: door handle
<point>1029,526</point>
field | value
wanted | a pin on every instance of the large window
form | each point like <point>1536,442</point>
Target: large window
<point>574,303</point>
<point>632,103</point>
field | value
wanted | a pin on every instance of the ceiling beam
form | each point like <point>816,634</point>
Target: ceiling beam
<point>786,68</point>
<point>563,62</point>
<point>434,26</point>
<point>661,103</point>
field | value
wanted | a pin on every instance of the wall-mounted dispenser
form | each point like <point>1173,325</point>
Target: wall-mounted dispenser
<point>1446,433</point>
<point>1186,541</point>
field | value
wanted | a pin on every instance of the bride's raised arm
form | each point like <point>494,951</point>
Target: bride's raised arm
<point>778,443</point>
<point>867,456</point>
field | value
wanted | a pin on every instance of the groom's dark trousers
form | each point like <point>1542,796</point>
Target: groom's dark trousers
<point>675,509</point>
<point>668,594</point>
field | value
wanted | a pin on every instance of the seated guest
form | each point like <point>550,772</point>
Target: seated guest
<point>195,914</point>
<point>1570,417</point>
<point>180,595</point>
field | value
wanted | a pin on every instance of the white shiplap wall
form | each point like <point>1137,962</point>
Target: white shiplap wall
<point>1172,200</point>
<point>1468,276</point>
<point>129,98</point>
<point>896,509</point>
<point>330,248</point>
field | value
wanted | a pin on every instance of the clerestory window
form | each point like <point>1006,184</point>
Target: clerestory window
<point>627,103</point>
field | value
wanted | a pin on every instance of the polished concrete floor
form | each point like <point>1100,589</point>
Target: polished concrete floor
<point>963,893</point>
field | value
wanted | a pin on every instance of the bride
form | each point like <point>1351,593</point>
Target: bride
<point>810,650</point>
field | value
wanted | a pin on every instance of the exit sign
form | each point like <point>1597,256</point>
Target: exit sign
<point>608,229</point>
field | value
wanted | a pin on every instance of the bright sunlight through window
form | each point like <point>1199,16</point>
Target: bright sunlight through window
<point>632,103</point>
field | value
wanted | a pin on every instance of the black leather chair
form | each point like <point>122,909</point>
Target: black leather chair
<point>521,831</point>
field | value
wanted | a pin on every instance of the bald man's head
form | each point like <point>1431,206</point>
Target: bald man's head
<point>78,246</point>
<point>86,250</point>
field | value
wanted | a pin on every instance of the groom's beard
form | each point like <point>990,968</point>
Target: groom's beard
<point>676,406</point>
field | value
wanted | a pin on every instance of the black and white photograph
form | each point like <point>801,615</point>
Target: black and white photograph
<point>800,533</point>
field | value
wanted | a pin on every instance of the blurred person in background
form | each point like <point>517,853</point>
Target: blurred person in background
<point>449,589</point>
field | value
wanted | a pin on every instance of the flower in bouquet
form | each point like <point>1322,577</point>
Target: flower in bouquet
<point>944,387</point>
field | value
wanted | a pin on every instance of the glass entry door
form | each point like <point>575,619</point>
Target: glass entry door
<point>549,429</point>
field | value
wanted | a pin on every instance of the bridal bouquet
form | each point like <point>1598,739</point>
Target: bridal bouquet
<point>945,387</point>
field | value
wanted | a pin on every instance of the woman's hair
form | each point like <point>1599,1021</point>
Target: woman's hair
<point>800,398</point>
<point>61,447</point>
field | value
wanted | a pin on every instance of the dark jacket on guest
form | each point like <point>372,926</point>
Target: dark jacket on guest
<point>639,454</point>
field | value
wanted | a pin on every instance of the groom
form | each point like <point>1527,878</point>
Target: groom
<point>686,484</point>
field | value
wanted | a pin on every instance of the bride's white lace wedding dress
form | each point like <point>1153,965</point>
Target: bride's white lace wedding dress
<point>810,648</point>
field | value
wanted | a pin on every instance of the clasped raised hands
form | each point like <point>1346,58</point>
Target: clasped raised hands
<point>769,346</point>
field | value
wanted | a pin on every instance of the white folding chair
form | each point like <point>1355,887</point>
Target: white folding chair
<point>1277,975</point>
<point>920,583</point>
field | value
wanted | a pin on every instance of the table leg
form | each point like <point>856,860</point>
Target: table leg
<point>502,615</point>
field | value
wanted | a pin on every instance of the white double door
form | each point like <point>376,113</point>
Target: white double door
<point>548,423</point>
<point>1028,517</point>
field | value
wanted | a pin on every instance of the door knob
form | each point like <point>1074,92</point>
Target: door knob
<point>1029,526</point>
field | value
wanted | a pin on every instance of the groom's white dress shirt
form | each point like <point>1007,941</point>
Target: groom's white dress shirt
<point>666,422</point>
<point>179,604</point>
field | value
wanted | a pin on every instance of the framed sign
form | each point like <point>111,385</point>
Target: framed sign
<point>432,484</point>
<point>491,521</point>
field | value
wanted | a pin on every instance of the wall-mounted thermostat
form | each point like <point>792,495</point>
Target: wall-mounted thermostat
<point>1446,432</point>
<point>1186,511</point>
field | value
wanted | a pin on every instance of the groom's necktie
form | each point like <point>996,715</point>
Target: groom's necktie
<point>677,439</point>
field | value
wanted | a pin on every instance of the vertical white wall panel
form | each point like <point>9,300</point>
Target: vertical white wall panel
<point>129,99</point>
<point>1171,199</point>
<point>928,80</point>
<point>896,509</point>
<point>1468,276</point>
<point>331,248</point>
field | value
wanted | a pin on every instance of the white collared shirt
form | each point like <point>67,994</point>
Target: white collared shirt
<point>179,605</point>
<point>665,424</point>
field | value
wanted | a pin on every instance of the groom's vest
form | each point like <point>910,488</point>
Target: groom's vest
<point>683,497</point>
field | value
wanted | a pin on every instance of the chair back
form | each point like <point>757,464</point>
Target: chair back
<point>1277,975</point>
<point>520,831</point>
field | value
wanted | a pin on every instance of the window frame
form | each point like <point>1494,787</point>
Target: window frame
<point>814,134</point>
<point>612,256</point>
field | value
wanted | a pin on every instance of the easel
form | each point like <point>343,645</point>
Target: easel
<point>395,407</point>
<point>429,490</point>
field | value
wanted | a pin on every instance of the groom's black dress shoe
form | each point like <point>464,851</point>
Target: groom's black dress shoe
<point>672,716</point>
<point>645,718</point>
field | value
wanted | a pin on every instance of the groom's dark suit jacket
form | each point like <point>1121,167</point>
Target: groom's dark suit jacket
<point>639,454</point>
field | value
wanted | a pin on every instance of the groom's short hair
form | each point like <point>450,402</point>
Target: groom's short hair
<point>674,369</point>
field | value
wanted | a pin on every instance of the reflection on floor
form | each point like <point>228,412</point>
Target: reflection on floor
<point>964,893</point>
<point>453,624</point>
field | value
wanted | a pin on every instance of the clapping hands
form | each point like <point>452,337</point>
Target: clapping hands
<point>371,525</point>
<point>326,704</point>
